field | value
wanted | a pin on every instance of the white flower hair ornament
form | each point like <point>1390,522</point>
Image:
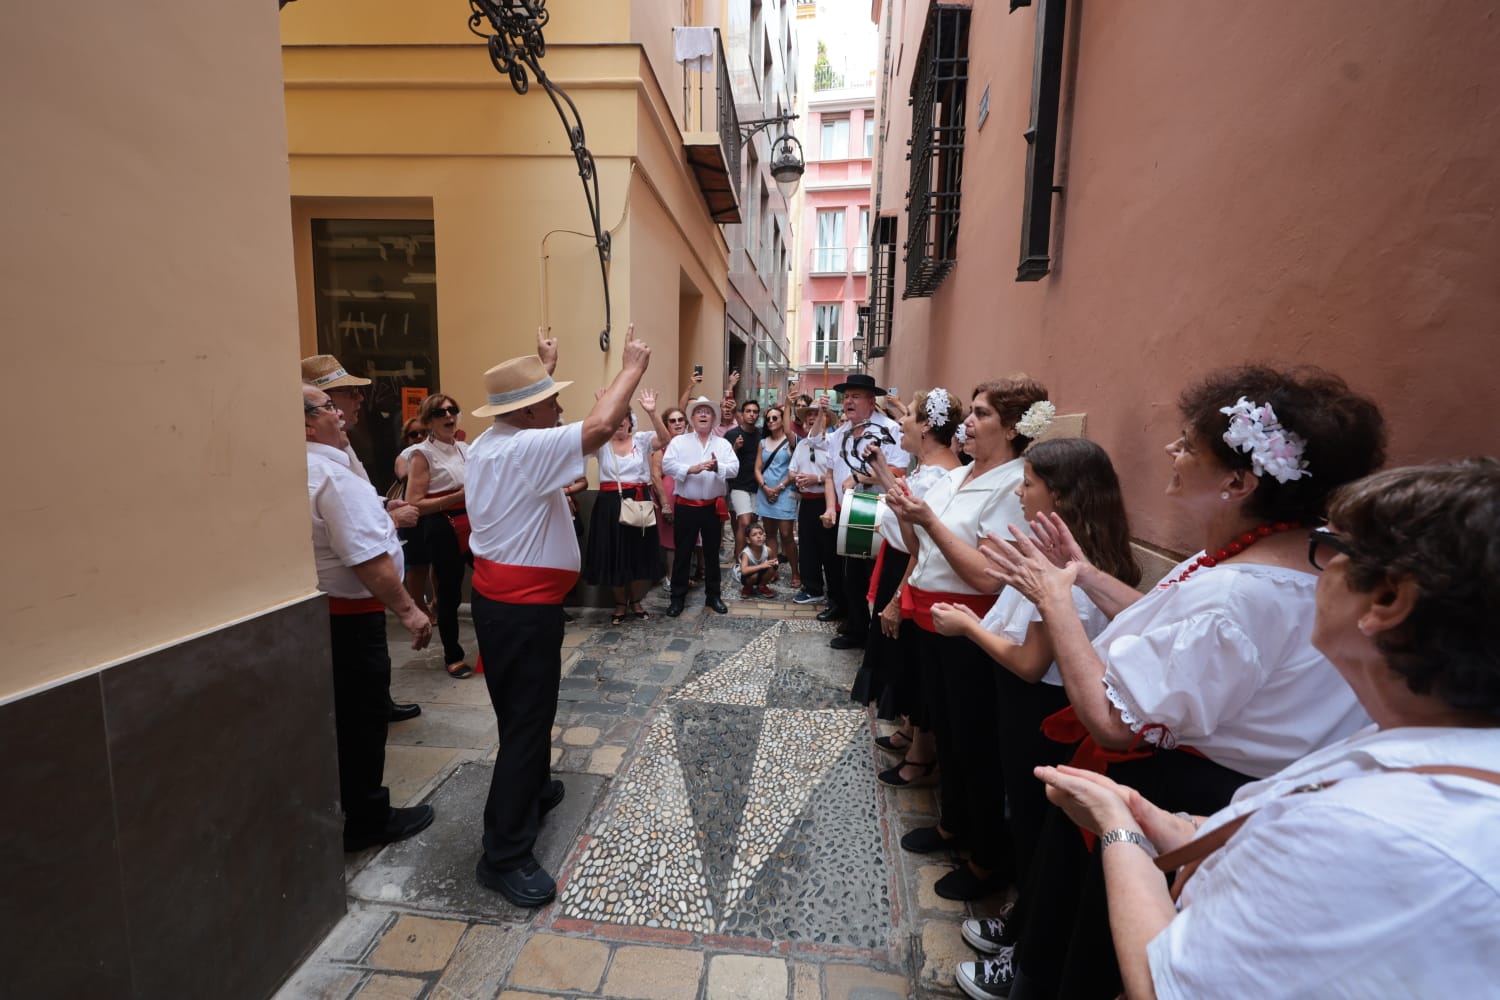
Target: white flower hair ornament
<point>938,407</point>
<point>1274,451</point>
<point>962,434</point>
<point>1036,419</point>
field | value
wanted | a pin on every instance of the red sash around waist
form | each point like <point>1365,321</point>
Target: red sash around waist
<point>355,605</point>
<point>683,501</point>
<point>448,511</point>
<point>923,600</point>
<point>639,489</point>
<point>511,584</point>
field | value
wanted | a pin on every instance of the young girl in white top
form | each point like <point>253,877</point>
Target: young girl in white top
<point>1074,478</point>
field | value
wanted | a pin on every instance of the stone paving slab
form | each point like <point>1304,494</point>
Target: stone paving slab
<point>434,871</point>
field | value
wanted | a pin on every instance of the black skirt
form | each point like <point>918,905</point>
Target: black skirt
<point>617,556</point>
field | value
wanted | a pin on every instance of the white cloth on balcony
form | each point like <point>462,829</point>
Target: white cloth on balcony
<point>694,46</point>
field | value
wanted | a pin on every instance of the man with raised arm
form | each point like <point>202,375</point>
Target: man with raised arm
<point>700,462</point>
<point>526,559</point>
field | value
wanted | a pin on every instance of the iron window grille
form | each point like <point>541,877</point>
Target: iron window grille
<point>882,286</point>
<point>937,149</point>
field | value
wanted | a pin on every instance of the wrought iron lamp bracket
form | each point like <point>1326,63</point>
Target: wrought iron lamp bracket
<point>750,126</point>
<point>516,49</point>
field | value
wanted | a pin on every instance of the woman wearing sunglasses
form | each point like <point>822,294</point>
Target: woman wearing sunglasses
<point>1370,867</point>
<point>435,485</point>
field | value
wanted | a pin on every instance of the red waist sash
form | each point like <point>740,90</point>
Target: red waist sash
<point>923,600</point>
<point>683,501</point>
<point>355,605</point>
<point>639,489</point>
<point>511,584</point>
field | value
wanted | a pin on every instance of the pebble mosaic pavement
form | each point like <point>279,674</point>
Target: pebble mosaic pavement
<point>739,817</point>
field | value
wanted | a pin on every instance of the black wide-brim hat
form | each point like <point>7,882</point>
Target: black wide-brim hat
<point>860,381</point>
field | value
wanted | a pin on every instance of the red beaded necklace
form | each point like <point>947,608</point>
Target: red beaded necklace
<point>1237,546</point>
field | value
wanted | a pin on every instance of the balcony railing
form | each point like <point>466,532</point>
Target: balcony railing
<point>711,133</point>
<point>829,260</point>
<point>823,352</point>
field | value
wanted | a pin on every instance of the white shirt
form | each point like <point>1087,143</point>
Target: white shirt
<point>1223,662</point>
<point>810,458</point>
<point>445,464</point>
<point>1012,615</point>
<point>689,449</point>
<point>349,522</point>
<point>838,452</point>
<point>969,509</point>
<point>632,468</point>
<point>918,483</point>
<point>514,495</point>
<point>1383,885</point>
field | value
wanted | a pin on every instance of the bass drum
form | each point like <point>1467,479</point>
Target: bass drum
<point>859,524</point>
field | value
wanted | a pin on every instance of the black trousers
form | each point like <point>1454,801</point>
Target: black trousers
<point>448,570</point>
<point>691,527</point>
<point>817,551</point>
<point>972,785</point>
<point>361,709</point>
<point>522,649</point>
<point>857,573</point>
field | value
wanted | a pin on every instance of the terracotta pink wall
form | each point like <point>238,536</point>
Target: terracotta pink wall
<point>852,174</point>
<point>1313,185</point>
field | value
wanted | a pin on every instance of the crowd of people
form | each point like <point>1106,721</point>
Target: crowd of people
<point>1094,743</point>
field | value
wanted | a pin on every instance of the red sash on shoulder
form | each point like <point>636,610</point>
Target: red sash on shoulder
<point>923,600</point>
<point>511,584</point>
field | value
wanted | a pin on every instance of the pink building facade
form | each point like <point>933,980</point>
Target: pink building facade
<point>835,234</point>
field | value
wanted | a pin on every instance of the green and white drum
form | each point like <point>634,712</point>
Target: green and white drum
<point>859,524</point>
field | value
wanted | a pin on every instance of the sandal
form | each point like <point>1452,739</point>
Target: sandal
<point>639,612</point>
<point>459,670</point>
<point>890,746</point>
<point>619,616</point>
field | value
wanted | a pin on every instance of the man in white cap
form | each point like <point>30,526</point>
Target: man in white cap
<point>526,559</point>
<point>359,564</point>
<point>346,391</point>
<point>700,462</point>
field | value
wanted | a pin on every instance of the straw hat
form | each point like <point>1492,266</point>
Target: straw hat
<point>517,383</point>
<point>325,372</point>
<point>701,401</point>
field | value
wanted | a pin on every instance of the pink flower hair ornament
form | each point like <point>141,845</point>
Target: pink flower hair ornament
<point>1274,451</point>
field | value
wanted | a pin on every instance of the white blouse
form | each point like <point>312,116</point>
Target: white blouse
<point>632,468</point>
<point>1223,662</point>
<point>1382,885</point>
<point>919,483</point>
<point>445,464</point>
<point>1012,615</point>
<point>969,510</point>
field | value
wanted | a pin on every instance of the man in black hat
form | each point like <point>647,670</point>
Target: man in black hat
<point>864,427</point>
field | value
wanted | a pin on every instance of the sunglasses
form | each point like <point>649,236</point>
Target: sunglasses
<point>446,411</point>
<point>415,435</point>
<point>677,420</point>
<point>1324,538</point>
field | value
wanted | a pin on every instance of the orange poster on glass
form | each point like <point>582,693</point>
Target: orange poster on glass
<point>411,401</point>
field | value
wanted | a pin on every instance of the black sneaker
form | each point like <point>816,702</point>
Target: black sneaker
<point>988,978</point>
<point>399,824</point>
<point>990,934</point>
<point>527,886</point>
<point>803,597</point>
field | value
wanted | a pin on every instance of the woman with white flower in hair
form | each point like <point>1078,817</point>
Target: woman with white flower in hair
<point>890,677</point>
<point>948,524</point>
<point>1209,680</point>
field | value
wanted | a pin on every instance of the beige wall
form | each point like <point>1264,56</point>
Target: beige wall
<point>147,263</point>
<point>1230,196</point>
<point>387,128</point>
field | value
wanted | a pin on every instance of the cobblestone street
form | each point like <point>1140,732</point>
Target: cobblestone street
<point>723,834</point>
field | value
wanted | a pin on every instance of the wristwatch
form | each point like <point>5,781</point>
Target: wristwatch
<point>1121,834</point>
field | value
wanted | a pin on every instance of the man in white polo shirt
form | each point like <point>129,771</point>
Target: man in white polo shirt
<point>526,559</point>
<point>359,566</point>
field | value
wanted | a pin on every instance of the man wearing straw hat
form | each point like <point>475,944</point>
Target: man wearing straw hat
<point>526,559</point>
<point>346,391</point>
